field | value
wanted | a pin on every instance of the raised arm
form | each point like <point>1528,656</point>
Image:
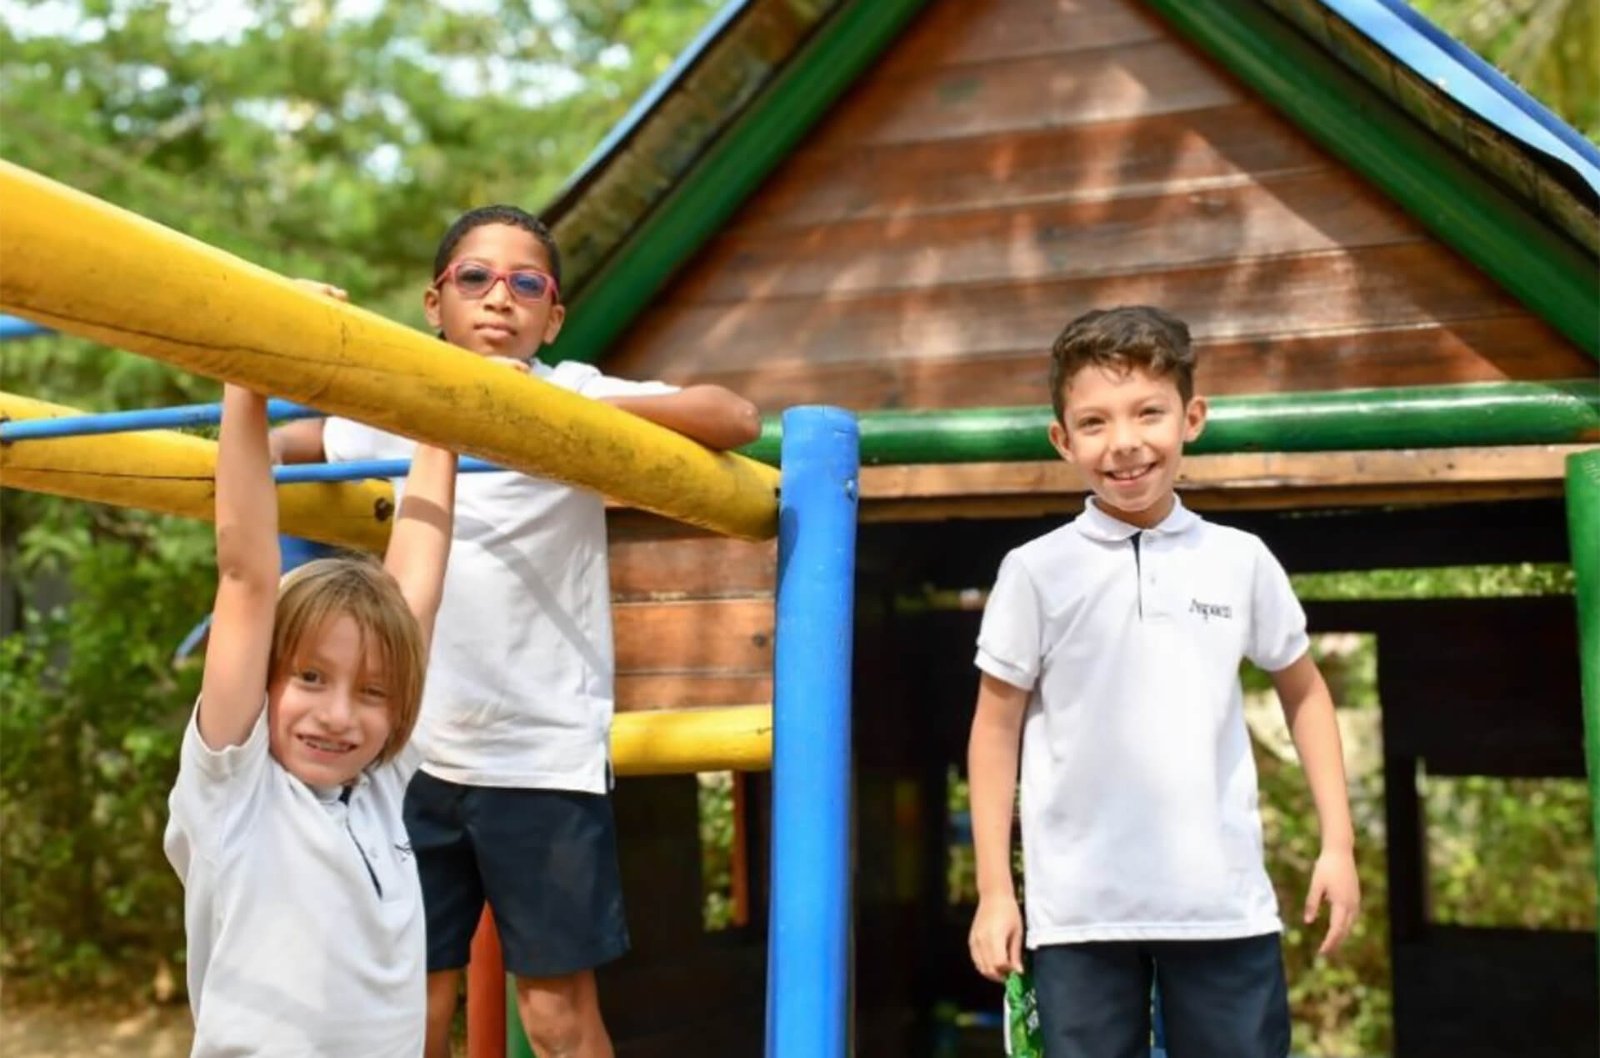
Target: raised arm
<point>716,417</point>
<point>1308,708</point>
<point>995,942</point>
<point>234,685</point>
<point>419,547</point>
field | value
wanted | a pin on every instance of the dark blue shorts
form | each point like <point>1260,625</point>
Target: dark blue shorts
<point>1219,998</point>
<point>545,860</point>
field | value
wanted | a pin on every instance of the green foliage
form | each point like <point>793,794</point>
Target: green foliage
<point>311,137</point>
<point>1549,47</point>
<point>90,713</point>
<point>322,139</point>
<point>717,823</point>
<point>1441,582</point>
<point>1341,1005</point>
<point>1517,853</point>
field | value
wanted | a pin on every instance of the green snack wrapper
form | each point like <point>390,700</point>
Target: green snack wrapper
<point>1023,1038</point>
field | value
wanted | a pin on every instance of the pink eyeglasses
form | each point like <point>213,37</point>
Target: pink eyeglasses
<point>474,280</point>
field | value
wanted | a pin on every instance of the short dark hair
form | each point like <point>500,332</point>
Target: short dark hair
<point>1122,338</point>
<point>509,215</point>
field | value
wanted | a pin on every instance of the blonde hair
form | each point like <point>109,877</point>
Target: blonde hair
<point>357,587</point>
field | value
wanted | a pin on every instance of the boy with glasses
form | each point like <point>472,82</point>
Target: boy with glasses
<point>511,804</point>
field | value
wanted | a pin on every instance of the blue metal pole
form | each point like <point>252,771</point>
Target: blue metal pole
<point>16,327</point>
<point>362,469</point>
<point>177,418</point>
<point>808,973</point>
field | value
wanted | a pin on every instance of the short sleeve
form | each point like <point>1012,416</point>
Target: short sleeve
<point>344,441</point>
<point>587,380</point>
<point>1009,638</point>
<point>216,788</point>
<point>1277,620</point>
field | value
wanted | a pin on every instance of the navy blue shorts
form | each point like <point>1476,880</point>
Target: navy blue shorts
<point>1219,998</point>
<point>545,860</point>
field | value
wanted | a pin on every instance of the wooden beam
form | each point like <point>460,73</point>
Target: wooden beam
<point>1253,481</point>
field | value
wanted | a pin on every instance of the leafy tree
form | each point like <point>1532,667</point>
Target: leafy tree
<point>314,138</point>
<point>1549,47</point>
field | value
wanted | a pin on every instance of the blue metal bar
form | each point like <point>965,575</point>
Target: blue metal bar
<point>210,414</point>
<point>147,419</point>
<point>808,973</point>
<point>12,327</point>
<point>1461,74</point>
<point>362,469</point>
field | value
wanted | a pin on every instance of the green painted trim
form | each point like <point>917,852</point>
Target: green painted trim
<point>1545,271</point>
<point>843,48</point>
<point>1583,527</point>
<point>1495,413</point>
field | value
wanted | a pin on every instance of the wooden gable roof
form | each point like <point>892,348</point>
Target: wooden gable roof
<point>1008,164</point>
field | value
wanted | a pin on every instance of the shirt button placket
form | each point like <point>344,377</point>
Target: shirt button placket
<point>1155,602</point>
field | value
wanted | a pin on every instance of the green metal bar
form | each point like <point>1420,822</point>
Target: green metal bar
<point>517,1045</point>
<point>1495,413</point>
<point>844,46</point>
<point>1583,525</point>
<point>1547,272</point>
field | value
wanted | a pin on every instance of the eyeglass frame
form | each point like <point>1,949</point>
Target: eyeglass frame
<point>499,277</point>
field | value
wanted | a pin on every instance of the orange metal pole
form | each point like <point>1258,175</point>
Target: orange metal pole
<point>486,992</point>
<point>739,868</point>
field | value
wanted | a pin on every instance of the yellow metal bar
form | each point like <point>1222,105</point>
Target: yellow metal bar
<point>174,473</point>
<point>676,741</point>
<point>86,267</point>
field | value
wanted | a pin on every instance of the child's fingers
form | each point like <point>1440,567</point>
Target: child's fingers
<point>994,958</point>
<point>975,950</point>
<point>984,966</point>
<point>988,954</point>
<point>1014,952</point>
<point>1340,922</point>
<point>327,290</point>
<point>1314,895</point>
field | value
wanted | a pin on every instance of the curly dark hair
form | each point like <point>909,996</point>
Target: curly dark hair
<point>509,215</point>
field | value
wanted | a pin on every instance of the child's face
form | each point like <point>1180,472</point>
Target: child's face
<point>496,324</point>
<point>328,716</point>
<point>1126,432</point>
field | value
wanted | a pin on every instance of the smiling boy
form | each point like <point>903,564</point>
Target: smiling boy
<point>1110,649</point>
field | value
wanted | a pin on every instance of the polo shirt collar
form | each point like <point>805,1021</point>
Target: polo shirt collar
<point>1096,524</point>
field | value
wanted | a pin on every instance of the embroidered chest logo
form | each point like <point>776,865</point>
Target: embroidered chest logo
<point>404,849</point>
<point>1208,610</point>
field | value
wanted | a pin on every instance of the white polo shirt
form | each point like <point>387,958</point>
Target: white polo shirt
<point>302,909</point>
<point>521,677</point>
<point>1138,789</point>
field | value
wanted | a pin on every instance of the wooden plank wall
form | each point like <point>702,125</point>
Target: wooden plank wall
<point>1012,163</point>
<point>1008,165</point>
<point>693,615</point>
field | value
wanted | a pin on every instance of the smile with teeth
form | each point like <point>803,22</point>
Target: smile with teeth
<point>1131,473</point>
<point>327,745</point>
